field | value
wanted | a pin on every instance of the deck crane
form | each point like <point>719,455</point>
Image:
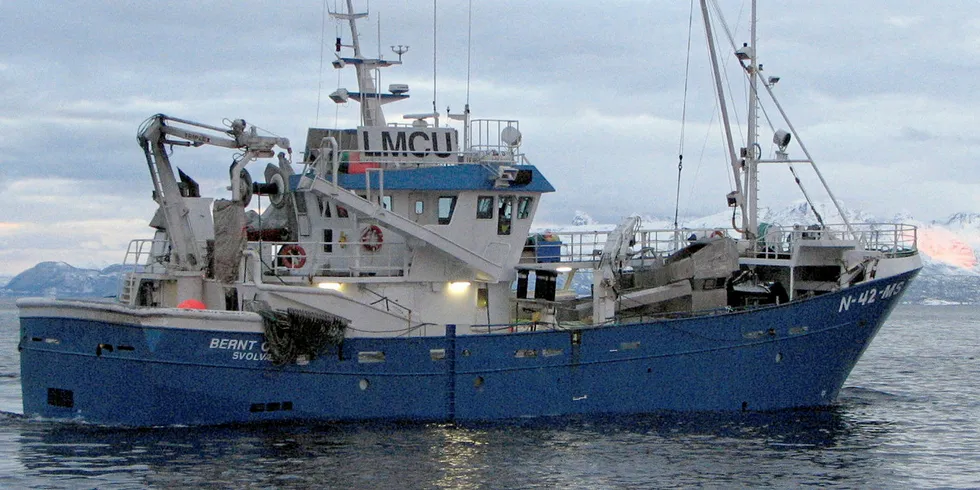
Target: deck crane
<point>160,131</point>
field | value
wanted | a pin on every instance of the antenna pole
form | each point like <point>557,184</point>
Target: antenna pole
<point>434,110</point>
<point>469,49</point>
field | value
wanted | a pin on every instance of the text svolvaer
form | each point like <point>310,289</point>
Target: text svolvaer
<point>244,350</point>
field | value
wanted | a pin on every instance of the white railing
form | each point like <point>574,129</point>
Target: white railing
<point>586,246</point>
<point>142,256</point>
<point>891,239</point>
<point>340,258</point>
<point>486,134</point>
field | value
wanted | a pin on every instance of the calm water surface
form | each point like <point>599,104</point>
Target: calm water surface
<point>909,417</point>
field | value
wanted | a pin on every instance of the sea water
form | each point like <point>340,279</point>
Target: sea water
<point>909,416</point>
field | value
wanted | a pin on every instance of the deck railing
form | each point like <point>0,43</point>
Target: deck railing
<point>340,258</point>
<point>891,239</point>
<point>143,256</point>
<point>586,246</point>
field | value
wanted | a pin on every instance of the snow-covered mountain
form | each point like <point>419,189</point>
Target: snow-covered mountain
<point>63,280</point>
<point>797,213</point>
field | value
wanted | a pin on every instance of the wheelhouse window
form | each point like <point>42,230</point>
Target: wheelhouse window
<point>386,202</point>
<point>504,214</point>
<point>324,207</point>
<point>447,204</point>
<point>524,207</point>
<point>484,207</point>
<point>419,207</point>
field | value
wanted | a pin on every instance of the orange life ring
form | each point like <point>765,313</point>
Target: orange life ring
<point>372,238</point>
<point>292,256</point>
<point>717,234</point>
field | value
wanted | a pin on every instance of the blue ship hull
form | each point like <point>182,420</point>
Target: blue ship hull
<point>793,355</point>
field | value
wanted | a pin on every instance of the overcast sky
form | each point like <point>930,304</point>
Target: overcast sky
<point>882,93</point>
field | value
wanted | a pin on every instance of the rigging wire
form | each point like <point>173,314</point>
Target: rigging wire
<point>724,73</point>
<point>319,86</point>
<point>680,146</point>
<point>434,10</point>
<point>336,111</point>
<point>469,51</point>
<point>792,169</point>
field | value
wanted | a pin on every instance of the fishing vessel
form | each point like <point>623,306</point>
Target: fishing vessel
<point>393,274</point>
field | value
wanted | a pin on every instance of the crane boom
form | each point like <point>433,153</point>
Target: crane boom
<point>161,131</point>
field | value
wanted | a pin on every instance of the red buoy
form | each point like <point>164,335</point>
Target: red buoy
<point>192,304</point>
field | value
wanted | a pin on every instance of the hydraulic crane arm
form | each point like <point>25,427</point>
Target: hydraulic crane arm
<point>161,131</point>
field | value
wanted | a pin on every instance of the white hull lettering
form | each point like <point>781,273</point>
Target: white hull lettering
<point>249,356</point>
<point>870,296</point>
<point>244,350</point>
<point>232,344</point>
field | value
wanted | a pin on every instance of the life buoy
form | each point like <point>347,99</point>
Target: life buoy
<point>717,234</point>
<point>372,238</point>
<point>292,256</point>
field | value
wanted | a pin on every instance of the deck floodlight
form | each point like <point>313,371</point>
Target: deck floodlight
<point>744,53</point>
<point>781,139</point>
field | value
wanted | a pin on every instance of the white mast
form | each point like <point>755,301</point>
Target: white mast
<point>370,104</point>
<point>752,154</point>
<point>752,147</point>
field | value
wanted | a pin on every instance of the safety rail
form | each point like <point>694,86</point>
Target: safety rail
<point>142,256</point>
<point>491,134</point>
<point>578,247</point>
<point>891,239</point>
<point>586,246</point>
<point>339,258</point>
